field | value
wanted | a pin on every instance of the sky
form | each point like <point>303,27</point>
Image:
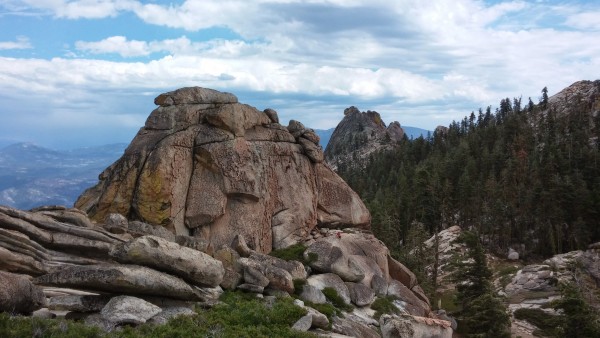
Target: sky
<point>76,73</point>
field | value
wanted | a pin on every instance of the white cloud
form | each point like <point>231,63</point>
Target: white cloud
<point>20,43</point>
<point>72,9</point>
<point>589,20</point>
<point>115,44</point>
<point>425,62</point>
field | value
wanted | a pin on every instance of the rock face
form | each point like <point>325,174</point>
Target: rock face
<point>409,327</point>
<point>129,310</point>
<point>130,279</point>
<point>192,265</point>
<point>582,95</point>
<point>358,135</point>
<point>536,286</point>
<point>208,166</point>
<point>18,295</point>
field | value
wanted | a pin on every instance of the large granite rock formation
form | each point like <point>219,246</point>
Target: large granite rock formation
<point>209,166</point>
<point>358,135</point>
<point>206,190</point>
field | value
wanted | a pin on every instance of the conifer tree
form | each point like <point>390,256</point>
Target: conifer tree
<point>579,318</point>
<point>482,313</point>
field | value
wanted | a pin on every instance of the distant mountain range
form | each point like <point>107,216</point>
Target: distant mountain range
<point>32,176</point>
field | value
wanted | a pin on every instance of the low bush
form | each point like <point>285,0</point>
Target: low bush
<point>299,285</point>
<point>546,323</point>
<point>239,315</point>
<point>293,252</point>
<point>335,299</point>
<point>384,305</point>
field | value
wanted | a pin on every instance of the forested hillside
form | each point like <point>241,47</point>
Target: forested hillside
<point>522,175</point>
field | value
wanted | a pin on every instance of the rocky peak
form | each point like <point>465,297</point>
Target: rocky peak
<point>208,166</point>
<point>360,134</point>
<point>580,95</point>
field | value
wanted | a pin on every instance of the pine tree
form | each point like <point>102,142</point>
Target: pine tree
<point>544,100</point>
<point>578,317</point>
<point>482,313</point>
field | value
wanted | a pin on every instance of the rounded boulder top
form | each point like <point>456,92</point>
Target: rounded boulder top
<point>194,95</point>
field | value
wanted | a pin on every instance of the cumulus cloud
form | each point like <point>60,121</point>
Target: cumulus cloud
<point>420,62</point>
<point>589,20</point>
<point>21,42</point>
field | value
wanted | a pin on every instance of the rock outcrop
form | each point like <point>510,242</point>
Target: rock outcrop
<point>208,166</point>
<point>581,96</point>
<point>206,190</point>
<point>360,134</point>
<point>537,286</point>
<point>18,295</point>
<point>413,327</point>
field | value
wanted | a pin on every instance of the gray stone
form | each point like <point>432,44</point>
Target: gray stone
<point>137,229</point>
<point>313,151</point>
<point>194,95</point>
<point>278,278</point>
<point>303,324</point>
<point>360,294</point>
<point>99,321</point>
<point>332,281</point>
<point>295,268</point>
<point>169,313</point>
<point>353,328</point>
<point>312,294</point>
<point>379,285</point>
<point>348,269</point>
<point>401,273</point>
<point>254,276</point>
<point>18,295</point>
<point>233,270</point>
<point>414,327</point>
<point>193,243</point>
<point>116,223</point>
<point>251,288</point>
<point>296,128</point>
<point>132,279</point>
<point>310,135</point>
<point>192,265</point>
<point>513,255</point>
<point>321,255</point>
<point>319,320</point>
<point>272,114</point>
<point>129,310</point>
<point>78,303</point>
<point>239,245</point>
<point>397,289</point>
<point>43,314</point>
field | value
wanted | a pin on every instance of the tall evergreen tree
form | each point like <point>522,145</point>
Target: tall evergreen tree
<point>482,314</point>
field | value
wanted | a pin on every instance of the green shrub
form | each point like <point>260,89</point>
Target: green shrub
<point>18,327</point>
<point>326,309</point>
<point>293,252</point>
<point>312,257</point>
<point>547,323</point>
<point>384,305</point>
<point>336,300</point>
<point>239,315</point>
<point>299,285</point>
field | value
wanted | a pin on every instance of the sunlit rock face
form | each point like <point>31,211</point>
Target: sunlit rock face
<point>208,166</point>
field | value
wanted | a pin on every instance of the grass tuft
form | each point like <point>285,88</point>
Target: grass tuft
<point>384,305</point>
<point>335,299</point>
